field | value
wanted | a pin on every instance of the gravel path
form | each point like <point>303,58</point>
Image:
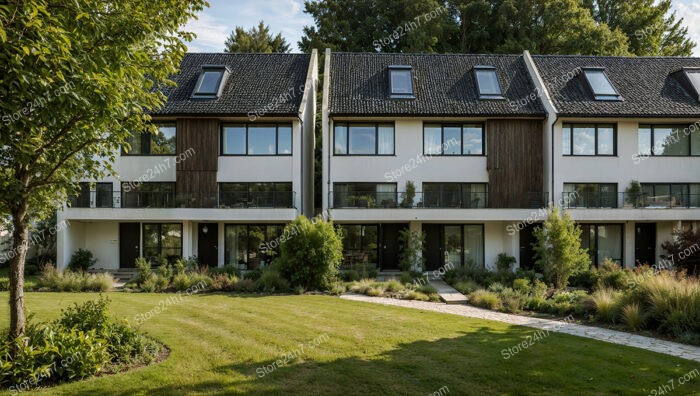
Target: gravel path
<point>612,336</point>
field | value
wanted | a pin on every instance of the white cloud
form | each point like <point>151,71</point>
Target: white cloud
<point>690,12</point>
<point>215,23</point>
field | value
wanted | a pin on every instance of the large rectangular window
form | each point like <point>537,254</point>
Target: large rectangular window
<point>669,140</point>
<point>162,239</point>
<point>363,139</point>
<point>603,241</point>
<point>256,195</point>
<point>163,142</point>
<point>148,195</point>
<point>365,195</point>
<point>255,139</point>
<point>453,139</point>
<point>360,245</point>
<point>251,246</point>
<point>671,195</point>
<point>455,195</point>
<point>589,139</point>
<point>590,195</point>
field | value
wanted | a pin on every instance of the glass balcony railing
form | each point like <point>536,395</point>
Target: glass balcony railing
<point>589,200</point>
<point>437,200</point>
<point>165,200</point>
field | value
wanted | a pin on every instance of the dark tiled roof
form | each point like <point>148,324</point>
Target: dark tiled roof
<point>645,84</point>
<point>444,85</point>
<point>256,80</point>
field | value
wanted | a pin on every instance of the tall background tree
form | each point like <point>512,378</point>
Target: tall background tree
<point>257,39</point>
<point>78,77</point>
<point>590,27</point>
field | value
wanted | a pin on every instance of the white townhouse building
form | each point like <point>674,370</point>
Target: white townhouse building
<point>487,139</point>
<point>444,124</point>
<point>231,165</point>
<point>613,121</point>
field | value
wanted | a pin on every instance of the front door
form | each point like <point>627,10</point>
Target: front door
<point>390,246</point>
<point>645,243</point>
<point>129,244</point>
<point>527,252</point>
<point>433,255</point>
<point>207,244</point>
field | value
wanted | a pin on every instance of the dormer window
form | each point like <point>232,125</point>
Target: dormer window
<point>401,81</point>
<point>600,85</point>
<point>211,82</point>
<point>690,79</point>
<point>487,82</point>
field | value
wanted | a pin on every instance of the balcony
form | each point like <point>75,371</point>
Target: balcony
<point>424,200</point>
<point>611,200</point>
<point>195,200</point>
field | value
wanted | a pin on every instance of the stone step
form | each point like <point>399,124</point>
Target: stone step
<point>447,293</point>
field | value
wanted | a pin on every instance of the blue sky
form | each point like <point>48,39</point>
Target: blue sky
<point>287,16</point>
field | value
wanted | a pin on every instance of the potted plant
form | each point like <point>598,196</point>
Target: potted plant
<point>633,194</point>
<point>410,194</point>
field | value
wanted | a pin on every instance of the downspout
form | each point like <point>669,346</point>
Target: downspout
<point>552,159</point>
<point>301,129</point>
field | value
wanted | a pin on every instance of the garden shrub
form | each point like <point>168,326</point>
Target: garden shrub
<point>52,280</point>
<point>606,304</point>
<point>416,295</point>
<point>587,279</point>
<point>228,269</point>
<point>84,337</point>
<point>496,287</point>
<point>311,256</point>
<point>505,262</point>
<point>254,274</point>
<point>271,281</point>
<point>633,316</point>
<point>244,285</point>
<point>558,248</point>
<point>673,303</point>
<point>612,275</point>
<point>350,276</point>
<point>522,285</point>
<point>223,282</point>
<point>410,257</point>
<point>81,260</point>
<point>143,270</point>
<point>466,286</point>
<point>375,291</point>
<point>181,282</point>
<point>684,250</point>
<point>485,299</point>
<point>149,285</point>
<point>512,300</point>
<point>394,286</point>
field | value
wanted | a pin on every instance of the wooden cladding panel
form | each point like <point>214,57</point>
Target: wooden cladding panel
<point>202,136</point>
<point>514,162</point>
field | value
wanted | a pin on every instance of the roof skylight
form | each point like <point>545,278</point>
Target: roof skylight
<point>487,82</point>
<point>211,82</point>
<point>600,84</point>
<point>401,81</point>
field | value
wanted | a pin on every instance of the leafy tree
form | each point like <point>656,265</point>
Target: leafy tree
<point>310,253</point>
<point>558,248</point>
<point>257,39</point>
<point>651,26</point>
<point>382,25</point>
<point>78,77</point>
<point>684,250</point>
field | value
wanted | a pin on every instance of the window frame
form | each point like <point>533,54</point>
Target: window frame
<point>247,139</point>
<point>461,148</point>
<point>160,232</point>
<point>273,191</point>
<point>607,97</point>
<point>376,125</point>
<point>221,82</point>
<point>334,191</point>
<point>146,142</point>
<point>653,140</point>
<point>594,257</point>
<point>401,95</point>
<point>570,204</point>
<point>488,69</point>
<point>461,185</point>
<point>596,127</point>
<point>248,247</point>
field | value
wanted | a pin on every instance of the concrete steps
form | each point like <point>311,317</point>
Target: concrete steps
<point>448,294</point>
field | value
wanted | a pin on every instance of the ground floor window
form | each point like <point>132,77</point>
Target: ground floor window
<point>459,244</point>
<point>162,239</point>
<point>251,245</point>
<point>360,243</point>
<point>602,241</point>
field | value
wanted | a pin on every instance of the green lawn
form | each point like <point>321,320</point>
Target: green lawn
<point>221,342</point>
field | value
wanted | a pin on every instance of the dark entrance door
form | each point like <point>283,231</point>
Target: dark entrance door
<point>645,243</point>
<point>207,244</point>
<point>527,253</point>
<point>390,246</point>
<point>433,253</point>
<point>129,244</point>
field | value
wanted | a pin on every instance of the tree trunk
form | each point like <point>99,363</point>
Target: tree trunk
<point>20,242</point>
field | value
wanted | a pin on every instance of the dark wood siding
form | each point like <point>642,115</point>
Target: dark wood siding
<point>515,155</point>
<point>196,175</point>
